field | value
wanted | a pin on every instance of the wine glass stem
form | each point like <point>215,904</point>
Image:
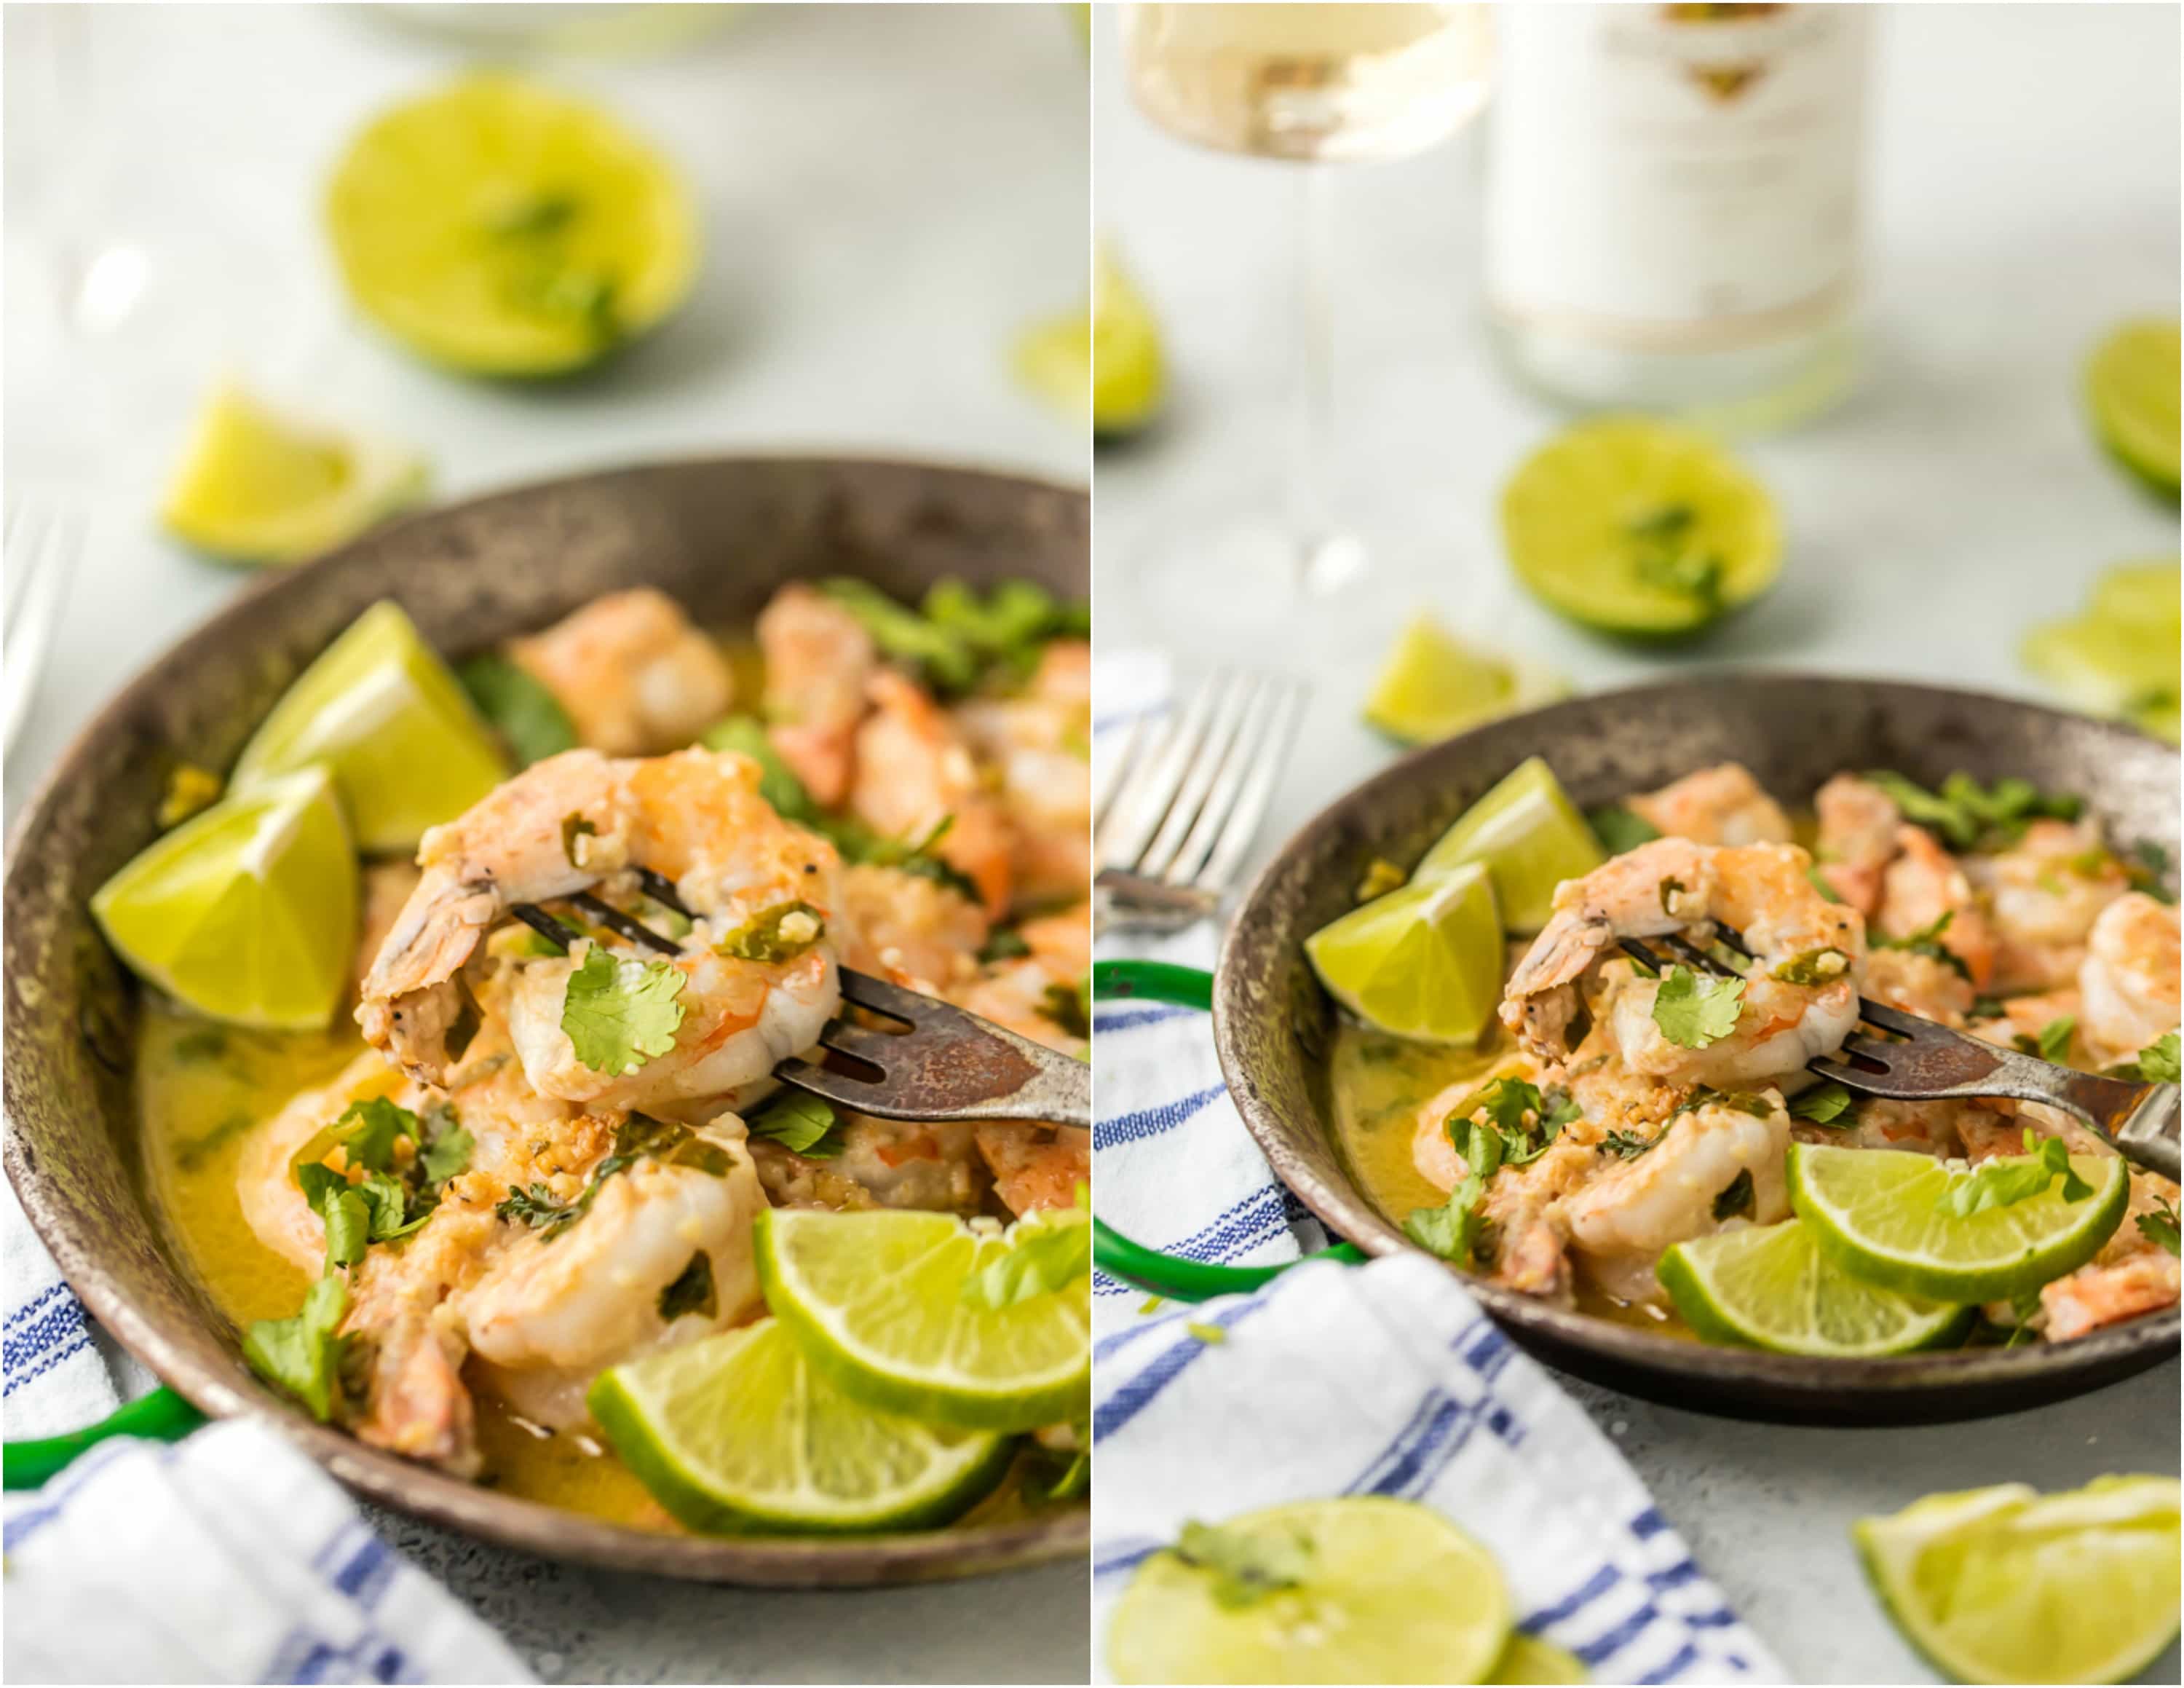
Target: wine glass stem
<point>1324,563</point>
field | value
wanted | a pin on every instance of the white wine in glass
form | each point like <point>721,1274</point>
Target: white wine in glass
<point>1312,85</point>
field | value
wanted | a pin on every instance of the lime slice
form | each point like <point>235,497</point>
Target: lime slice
<point>1635,526</point>
<point>2119,657</point>
<point>1434,686</point>
<point>1361,1590</point>
<point>380,710</point>
<point>1771,1287</point>
<point>2132,389</point>
<point>1422,963</point>
<point>1531,838</point>
<point>1529,1659</point>
<point>505,229</point>
<point>2004,1584</point>
<point>1876,1213</point>
<point>256,487</point>
<point>879,1301</point>
<point>247,911</point>
<point>737,1432</point>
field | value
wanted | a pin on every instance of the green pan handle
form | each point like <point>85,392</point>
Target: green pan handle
<point>162,1415</point>
<point>1172,1275</point>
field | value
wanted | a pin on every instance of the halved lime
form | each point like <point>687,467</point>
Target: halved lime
<point>1529,1659</point>
<point>2131,390</point>
<point>879,1302</point>
<point>256,487</point>
<point>1365,1589</point>
<point>1434,686</point>
<point>1770,1286</point>
<point>2119,656</point>
<point>1633,525</point>
<point>1422,963</point>
<point>381,709</point>
<point>1106,356</point>
<point>737,1432</point>
<point>1877,1212</point>
<point>2004,1585</point>
<point>1530,837</point>
<point>247,911</point>
<point>505,228</point>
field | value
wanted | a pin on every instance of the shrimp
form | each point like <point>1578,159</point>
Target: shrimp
<point>1923,889</point>
<point>1716,1165</point>
<point>273,1206</point>
<point>915,771</point>
<point>2043,894</point>
<point>1433,1150</point>
<point>908,929</point>
<point>578,821</point>
<point>1040,742</point>
<point>633,674</point>
<point>2096,1295</point>
<point>1719,805</point>
<point>818,659</point>
<point>1034,995</point>
<point>2128,978</point>
<point>1857,839</point>
<point>1670,885</point>
<point>387,886</point>
<point>1036,1166</point>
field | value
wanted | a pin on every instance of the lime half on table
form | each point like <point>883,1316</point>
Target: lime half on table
<point>247,911</point>
<point>503,228</point>
<point>2131,390</point>
<point>2004,1584</point>
<point>1878,1214</point>
<point>737,1432</point>
<point>1424,962</point>
<point>1529,836</point>
<point>1631,525</point>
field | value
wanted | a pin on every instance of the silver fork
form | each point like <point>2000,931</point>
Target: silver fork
<point>1922,1061</point>
<point>1189,789</point>
<point>42,544</point>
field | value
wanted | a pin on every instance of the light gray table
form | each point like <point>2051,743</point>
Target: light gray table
<point>889,194</point>
<point>2025,195</point>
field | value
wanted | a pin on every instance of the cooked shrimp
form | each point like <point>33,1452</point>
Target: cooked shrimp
<point>1720,805</point>
<point>1040,741</point>
<point>634,675</point>
<point>2097,1295</point>
<point>1034,994</point>
<point>1527,1235</point>
<point>909,929</point>
<point>1433,1150</point>
<point>273,1206</point>
<point>1036,1166</point>
<point>1762,891</point>
<point>818,660</point>
<point>2128,978</point>
<point>1875,1122</point>
<point>1693,1182</point>
<point>387,887</point>
<point>914,771</point>
<point>2044,894</point>
<point>1924,886</point>
<point>1857,839</point>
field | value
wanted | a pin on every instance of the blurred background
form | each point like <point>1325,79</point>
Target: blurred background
<point>885,200</point>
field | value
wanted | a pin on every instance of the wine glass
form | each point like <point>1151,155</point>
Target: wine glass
<point>1312,85</point>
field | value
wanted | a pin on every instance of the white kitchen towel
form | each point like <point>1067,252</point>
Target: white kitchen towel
<point>1384,1379</point>
<point>226,1558</point>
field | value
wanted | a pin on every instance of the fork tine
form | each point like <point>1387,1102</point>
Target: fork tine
<point>546,926</point>
<point>892,1000</point>
<point>1698,958</point>
<point>1638,952</point>
<point>39,561</point>
<point>1871,1048</point>
<point>1138,734</point>
<point>1258,716</point>
<point>1850,1077</point>
<point>1258,790</point>
<point>623,924</point>
<point>1889,1019</point>
<point>1141,805</point>
<point>859,1041</point>
<point>1236,691</point>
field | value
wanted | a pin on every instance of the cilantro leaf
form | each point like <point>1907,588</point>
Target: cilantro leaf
<point>1823,1105</point>
<point>800,1122</point>
<point>447,1146</point>
<point>1694,1011</point>
<point>2156,1063</point>
<point>691,1291</point>
<point>1049,1251</point>
<point>2054,1043</point>
<point>540,1209</point>
<point>2005,1181</point>
<point>2159,1226</point>
<point>784,793</point>
<point>1626,1145</point>
<point>1064,1004</point>
<point>1454,1230</point>
<point>529,719</point>
<point>1927,941</point>
<point>1736,1197</point>
<point>1245,1565</point>
<point>1620,829</point>
<point>1964,813</point>
<point>302,1355</point>
<point>619,1014</point>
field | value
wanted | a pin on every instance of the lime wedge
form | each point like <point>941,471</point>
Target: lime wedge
<point>1422,963</point>
<point>1531,838</point>
<point>2119,656</point>
<point>2132,389</point>
<point>736,1432</point>
<point>255,486</point>
<point>2004,1585</point>
<point>1106,356</point>
<point>1631,525</point>
<point>881,1303</point>
<point>247,911</point>
<point>381,710</point>
<point>502,228</point>
<point>1771,1287</point>
<point>1876,1213</point>
<point>1364,1589</point>
<point>1529,1659</point>
<point>1434,686</point>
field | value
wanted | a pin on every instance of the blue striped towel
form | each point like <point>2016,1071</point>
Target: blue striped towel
<point>226,1558</point>
<point>1384,1379</point>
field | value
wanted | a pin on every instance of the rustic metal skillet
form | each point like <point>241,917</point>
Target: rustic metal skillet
<point>1272,1023</point>
<point>721,535</point>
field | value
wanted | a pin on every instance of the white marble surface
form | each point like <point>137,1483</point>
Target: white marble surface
<point>887,193</point>
<point>2025,195</point>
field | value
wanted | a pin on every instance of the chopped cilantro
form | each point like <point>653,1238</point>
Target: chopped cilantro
<point>1005,943</point>
<point>1927,941</point>
<point>692,1292</point>
<point>1064,1004</point>
<point>302,1355</point>
<point>2054,1043</point>
<point>2156,1063</point>
<point>1620,829</point>
<point>784,793</point>
<point>2159,1226</point>
<point>619,1014</point>
<point>800,1122</point>
<point>1049,1251</point>
<point>1694,1011</point>
<point>1626,1145</point>
<point>529,719</point>
<point>2005,1181</point>
<point>1454,1230</point>
<point>540,1209</point>
<point>447,1146</point>
<point>1244,1566</point>
<point>775,934</point>
<point>573,827</point>
<point>1736,1197</point>
<point>1812,967</point>
<point>1966,815</point>
<point>1823,1105</point>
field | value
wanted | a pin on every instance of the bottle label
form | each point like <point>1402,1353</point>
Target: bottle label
<point>1675,177</point>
